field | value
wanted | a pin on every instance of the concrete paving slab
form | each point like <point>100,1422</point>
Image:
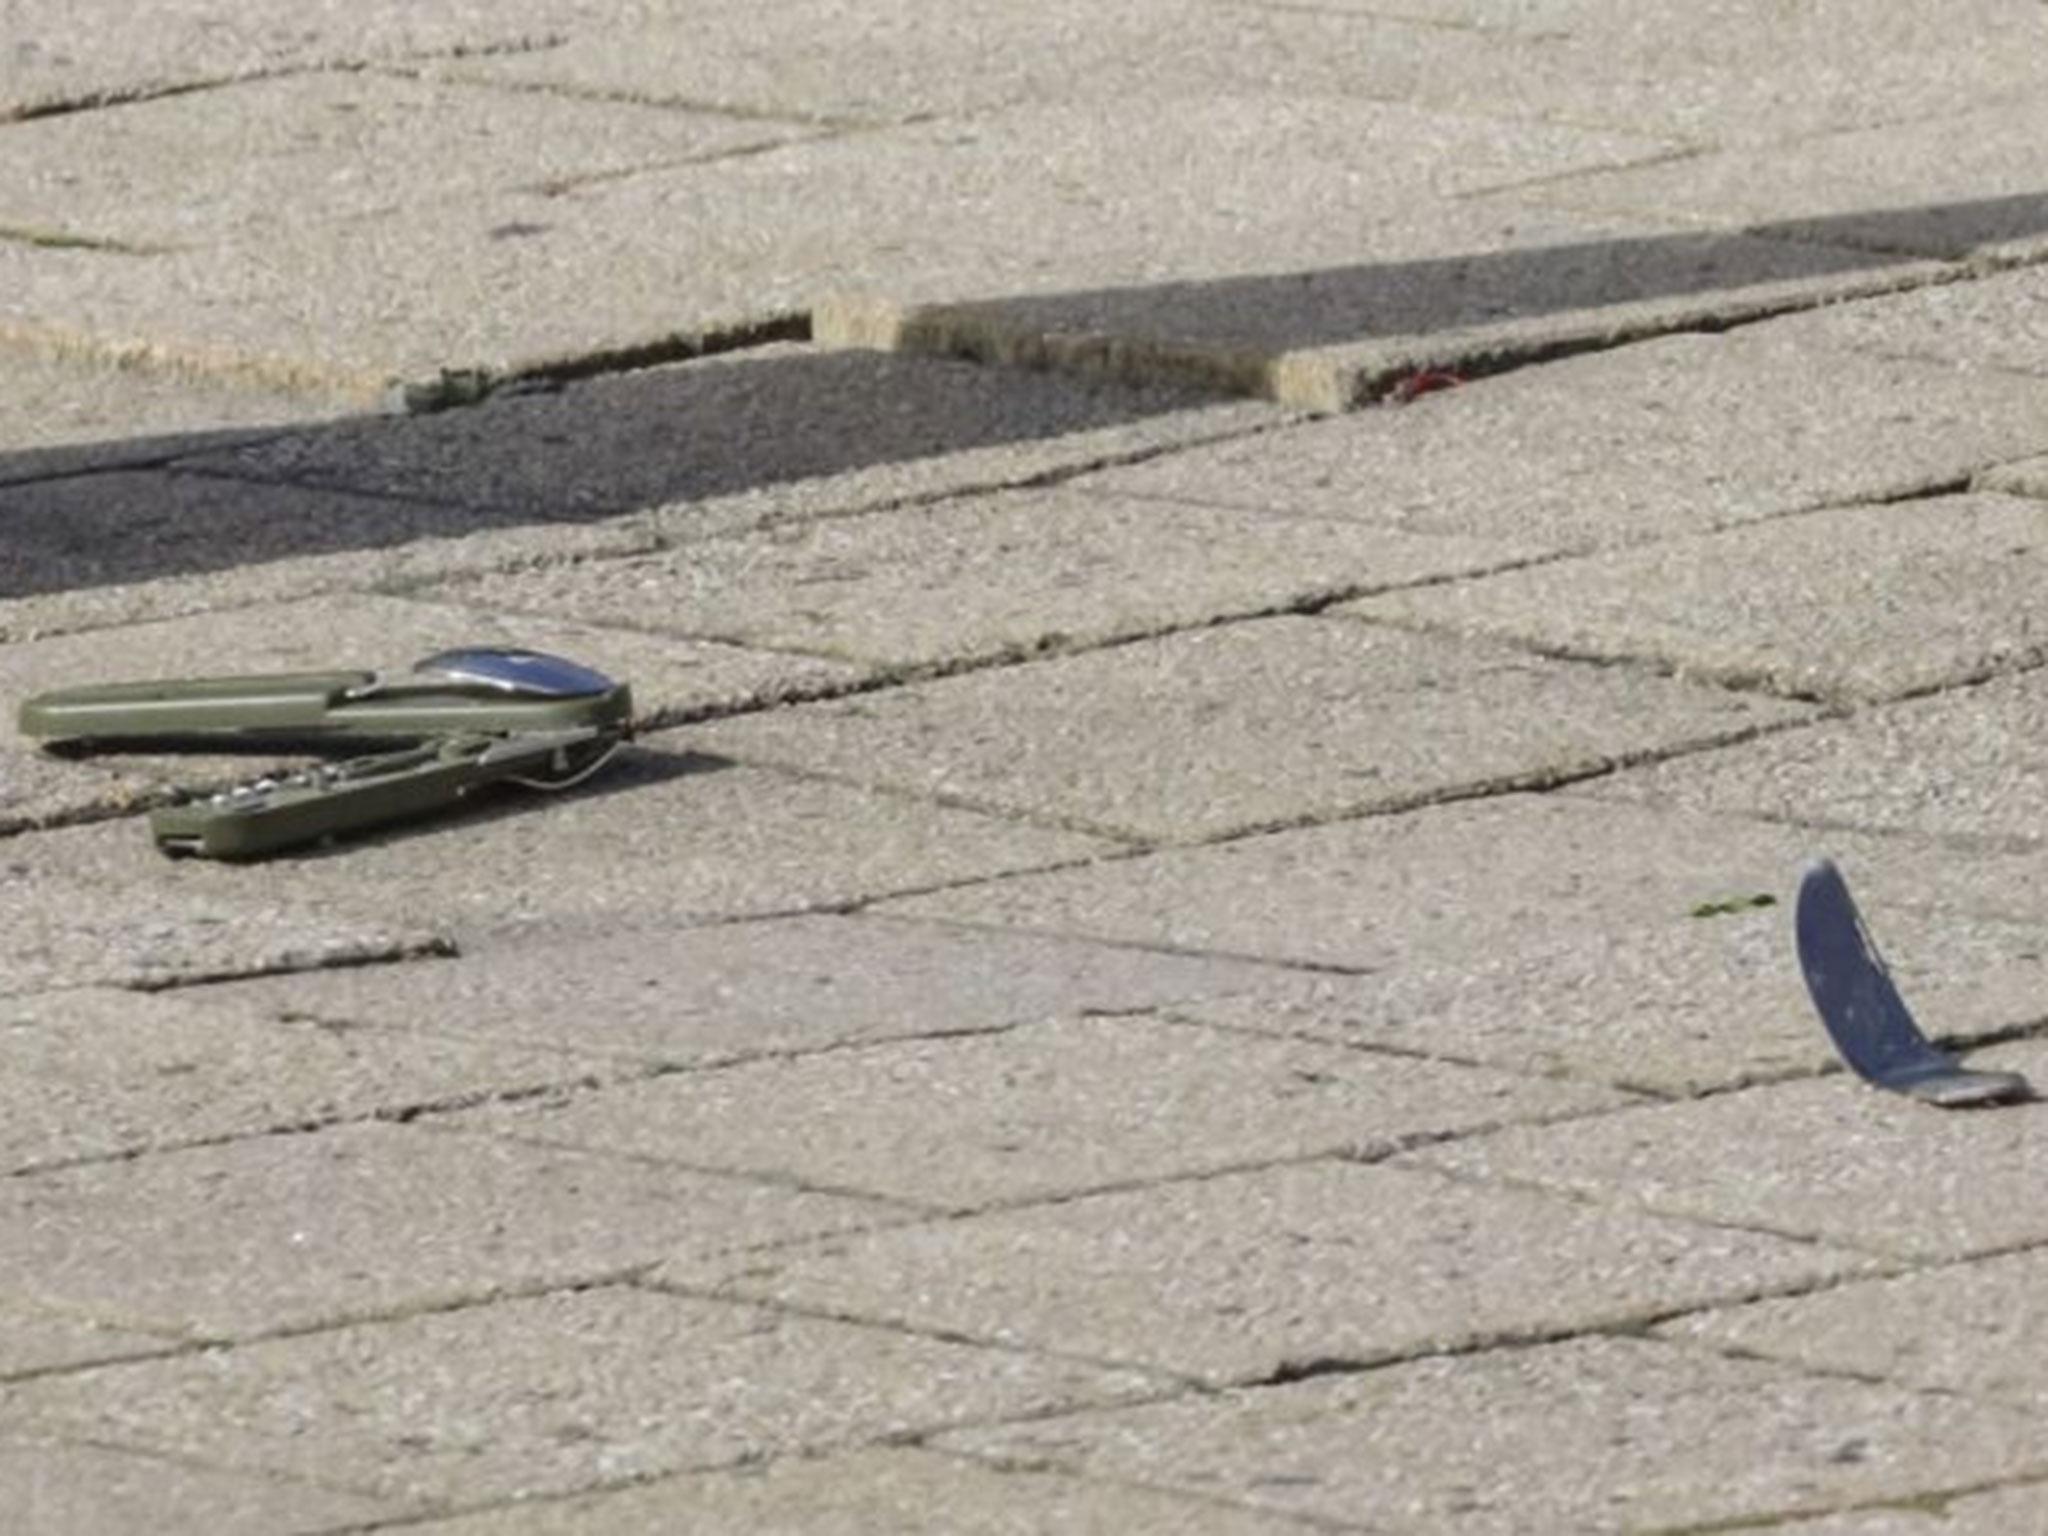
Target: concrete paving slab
<point>901,1490</point>
<point>553,1394</point>
<point>893,62</point>
<point>1475,286</point>
<point>1226,729</point>
<point>1951,186</point>
<point>1236,1278</point>
<point>1682,1009</point>
<point>2012,1511</point>
<point>1919,595</point>
<point>1828,1159</point>
<point>68,54</point>
<point>2023,477</point>
<point>1730,75</point>
<point>1991,321</point>
<point>290,1232</point>
<point>1604,1435</point>
<point>1042,1111</point>
<point>97,1073</point>
<point>1034,200</point>
<point>985,578</point>
<point>671,678</point>
<point>1969,1329</point>
<point>662,836</point>
<point>60,932</point>
<point>61,419</point>
<point>673,996</point>
<point>149,546</point>
<point>773,432</point>
<point>56,1489</point>
<point>1683,435</point>
<point>1754,75</point>
<point>1476,880</point>
<point>1962,764</point>
<point>199,167</point>
<point>38,791</point>
<point>133,527</point>
<point>35,1339</point>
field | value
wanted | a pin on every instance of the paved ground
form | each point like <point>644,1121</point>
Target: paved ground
<point>1195,939</point>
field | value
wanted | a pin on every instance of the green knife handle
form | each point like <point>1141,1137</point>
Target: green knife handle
<point>307,703</point>
<point>280,702</point>
<point>252,820</point>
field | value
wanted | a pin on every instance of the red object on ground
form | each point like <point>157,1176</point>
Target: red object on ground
<point>1424,381</point>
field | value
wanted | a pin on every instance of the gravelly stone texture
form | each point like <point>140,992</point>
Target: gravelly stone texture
<point>58,1489</point>
<point>553,1394</point>
<point>1227,729</point>
<point>298,1231</point>
<point>1236,1278</point>
<point>662,994</point>
<point>94,1073</point>
<point>1849,604</point>
<point>1040,1111</point>
<point>1829,1159</point>
<point>904,1491</point>
<point>1597,1435</point>
<point>1672,437</point>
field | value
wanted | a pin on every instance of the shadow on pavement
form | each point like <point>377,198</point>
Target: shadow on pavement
<point>1338,306</point>
<point>762,421</point>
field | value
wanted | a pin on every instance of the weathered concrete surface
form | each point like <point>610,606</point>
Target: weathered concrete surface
<point>1848,604</point>
<point>256,158</point>
<point>905,1491</point>
<point>1968,1329</point>
<point>1471,285</point>
<point>36,1338</point>
<point>97,1073</point>
<point>1672,437</point>
<point>59,1489</point>
<point>1012,1102</point>
<point>769,433</point>
<point>551,1394</point>
<point>1010,204</point>
<point>2016,1510</point>
<point>1962,184</point>
<point>1734,74</point>
<point>1828,1159</point>
<point>1236,1278</point>
<point>77,54</point>
<point>1470,882</point>
<point>661,994</point>
<point>58,418</point>
<point>984,578</point>
<point>290,1232</point>
<point>105,550</point>
<point>1042,1111</point>
<point>1690,1007</point>
<point>58,931</point>
<point>1963,764</point>
<point>1223,730</point>
<point>1991,322</point>
<point>92,551</point>
<point>1598,1435</point>
<point>663,835</point>
<point>2023,477</point>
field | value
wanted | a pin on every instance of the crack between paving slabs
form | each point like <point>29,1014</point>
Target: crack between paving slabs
<point>96,100</point>
<point>835,124</point>
<point>1793,1518</point>
<point>1550,1074</point>
<point>1597,1200</point>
